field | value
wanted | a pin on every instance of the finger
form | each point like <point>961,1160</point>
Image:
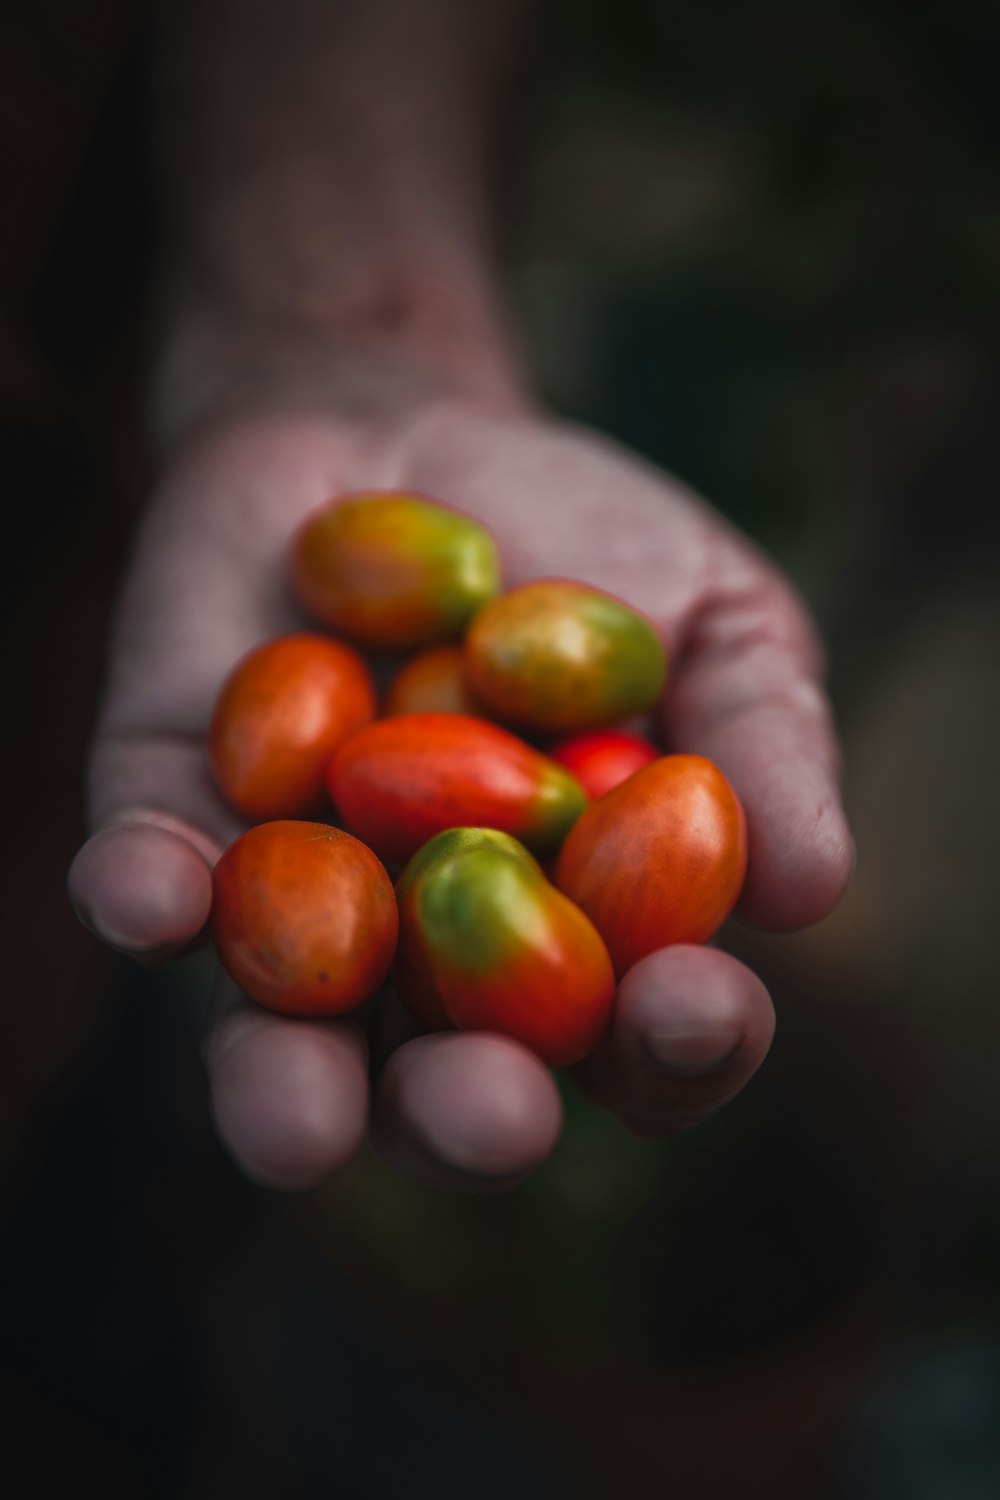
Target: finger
<point>142,882</point>
<point>691,1027</point>
<point>144,889</point>
<point>204,586</point>
<point>290,1097</point>
<point>469,1113</point>
<point>746,694</point>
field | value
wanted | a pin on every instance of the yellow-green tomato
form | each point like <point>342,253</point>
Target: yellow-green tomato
<point>560,657</point>
<point>392,571</point>
<point>487,944</point>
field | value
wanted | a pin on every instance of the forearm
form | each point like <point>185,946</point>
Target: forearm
<point>329,174</point>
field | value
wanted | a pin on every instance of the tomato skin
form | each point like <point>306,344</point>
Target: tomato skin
<point>304,918</point>
<point>604,759</point>
<point>392,571</point>
<point>489,945</point>
<point>559,657</point>
<point>280,715</point>
<point>661,859</point>
<point>400,781</point>
<point>433,682</point>
<point>411,970</point>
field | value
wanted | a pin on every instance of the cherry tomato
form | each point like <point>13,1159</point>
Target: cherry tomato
<point>560,657</point>
<point>661,859</point>
<point>399,781</point>
<point>304,918</point>
<point>433,682</point>
<point>392,571</point>
<point>487,940</point>
<point>411,969</point>
<point>280,715</point>
<point>604,759</point>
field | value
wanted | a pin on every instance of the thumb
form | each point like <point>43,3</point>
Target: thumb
<point>142,882</point>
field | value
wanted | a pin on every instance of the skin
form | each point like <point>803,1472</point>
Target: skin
<point>333,322</point>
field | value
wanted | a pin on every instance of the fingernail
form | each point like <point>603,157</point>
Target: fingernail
<point>691,1053</point>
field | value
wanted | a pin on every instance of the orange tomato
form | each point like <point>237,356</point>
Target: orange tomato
<point>560,657</point>
<point>391,570</point>
<point>433,682</point>
<point>604,759</point>
<point>399,781</point>
<point>661,859</point>
<point>281,713</point>
<point>304,918</point>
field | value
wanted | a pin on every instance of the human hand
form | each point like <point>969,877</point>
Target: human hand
<point>293,1099</point>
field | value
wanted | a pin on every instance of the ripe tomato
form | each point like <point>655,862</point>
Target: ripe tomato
<point>487,943</point>
<point>281,714</point>
<point>393,571</point>
<point>304,918</point>
<point>604,759</point>
<point>661,859</point>
<point>433,682</point>
<point>560,657</point>
<point>399,781</point>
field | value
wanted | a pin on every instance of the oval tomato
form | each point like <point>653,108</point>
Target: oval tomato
<point>411,969</point>
<point>400,781</point>
<point>604,759</point>
<point>280,715</point>
<point>560,657</point>
<point>489,944</point>
<point>393,571</point>
<point>661,859</point>
<point>304,918</point>
<point>433,682</point>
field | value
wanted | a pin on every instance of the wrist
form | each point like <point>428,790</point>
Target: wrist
<point>385,348</point>
<point>329,173</point>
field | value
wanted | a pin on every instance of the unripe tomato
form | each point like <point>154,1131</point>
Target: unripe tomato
<point>280,715</point>
<point>560,657</point>
<point>393,571</point>
<point>604,759</point>
<point>411,969</point>
<point>433,682</point>
<point>486,938</point>
<point>400,781</point>
<point>661,859</point>
<point>304,918</point>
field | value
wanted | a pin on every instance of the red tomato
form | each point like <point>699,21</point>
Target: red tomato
<point>604,759</point>
<point>489,944</point>
<point>304,918</point>
<point>432,682</point>
<point>282,712</point>
<point>398,782</point>
<point>661,859</point>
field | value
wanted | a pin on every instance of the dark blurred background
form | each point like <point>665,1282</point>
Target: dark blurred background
<point>761,243</point>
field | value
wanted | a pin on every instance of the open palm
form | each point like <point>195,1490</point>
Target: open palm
<point>292,1098</point>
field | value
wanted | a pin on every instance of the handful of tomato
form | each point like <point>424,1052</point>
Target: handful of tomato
<point>497,743</point>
